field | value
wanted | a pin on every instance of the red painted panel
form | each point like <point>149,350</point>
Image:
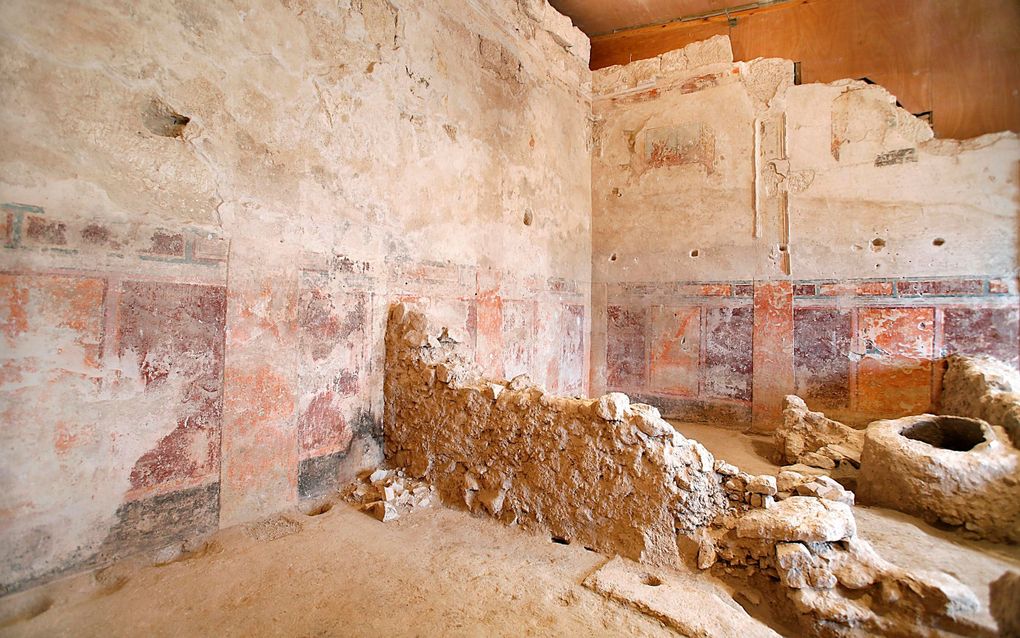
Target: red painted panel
<point>333,329</point>
<point>894,377</point>
<point>675,350</point>
<point>989,331</point>
<point>570,374</point>
<point>178,329</point>
<point>519,337</point>
<point>728,338</point>
<point>65,312</point>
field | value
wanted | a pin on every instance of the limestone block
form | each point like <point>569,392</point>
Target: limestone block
<point>1005,603</point>
<point>804,433</point>
<point>983,388</point>
<point>612,406</point>
<point>725,469</point>
<point>647,419</point>
<point>383,511</point>
<point>762,485</point>
<point>799,518</point>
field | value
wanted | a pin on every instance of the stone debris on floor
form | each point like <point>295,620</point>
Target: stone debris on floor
<point>388,494</point>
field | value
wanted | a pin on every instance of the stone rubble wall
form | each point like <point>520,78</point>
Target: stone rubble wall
<point>983,388</point>
<point>614,477</point>
<point>624,484</point>
<point>813,439</point>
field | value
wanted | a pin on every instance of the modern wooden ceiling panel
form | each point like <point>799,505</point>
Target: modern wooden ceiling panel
<point>596,17</point>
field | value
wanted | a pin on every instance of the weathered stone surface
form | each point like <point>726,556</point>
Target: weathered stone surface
<point>383,511</point>
<point>952,470</point>
<point>668,150</point>
<point>825,487</point>
<point>647,419</point>
<point>579,470</point>
<point>983,388</point>
<point>799,518</point>
<point>612,406</point>
<point>811,438</point>
<point>1005,604</point>
<point>555,465</point>
<point>762,485</point>
<point>693,606</point>
<point>153,146</point>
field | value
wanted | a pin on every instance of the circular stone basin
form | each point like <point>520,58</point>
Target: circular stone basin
<point>946,432</point>
<point>948,470</point>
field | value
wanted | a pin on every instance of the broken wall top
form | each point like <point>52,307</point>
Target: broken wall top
<point>772,180</point>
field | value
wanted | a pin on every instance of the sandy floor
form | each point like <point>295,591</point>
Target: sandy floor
<point>433,572</point>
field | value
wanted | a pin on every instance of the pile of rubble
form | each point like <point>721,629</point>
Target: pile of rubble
<point>957,471</point>
<point>387,494</point>
<point>813,440</point>
<point>764,490</point>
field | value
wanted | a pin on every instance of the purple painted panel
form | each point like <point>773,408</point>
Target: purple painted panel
<point>727,370</point>
<point>625,348</point>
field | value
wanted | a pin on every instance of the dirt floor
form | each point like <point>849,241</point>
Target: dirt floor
<point>433,572</point>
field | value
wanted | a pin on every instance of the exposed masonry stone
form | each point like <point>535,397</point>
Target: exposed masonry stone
<point>811,438</point>
<point>557,466</point>
<point>1005,603</point>
<point>983,388</point>
<point>576,469</point>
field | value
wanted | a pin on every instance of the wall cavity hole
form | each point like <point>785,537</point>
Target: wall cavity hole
<point>162,120</point>
<point>947,433</point>
<point>694,253</point>
<point>877,244</point>
<point>938,241</point>
<point>529,217</point>
<point>319,509</point>
<point>782,248</point>
<point>613,257</point>
<point>651,580</point>
<point>559,540</point>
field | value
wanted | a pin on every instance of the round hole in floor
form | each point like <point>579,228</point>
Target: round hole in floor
<point>613,257</point>
<point>938,241</point>
<point>651,580</point>
<point>877,243</point>
<point>694,253</point>
<point>947,432</point>
<point>529,218</point>
<point>319,509</point>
